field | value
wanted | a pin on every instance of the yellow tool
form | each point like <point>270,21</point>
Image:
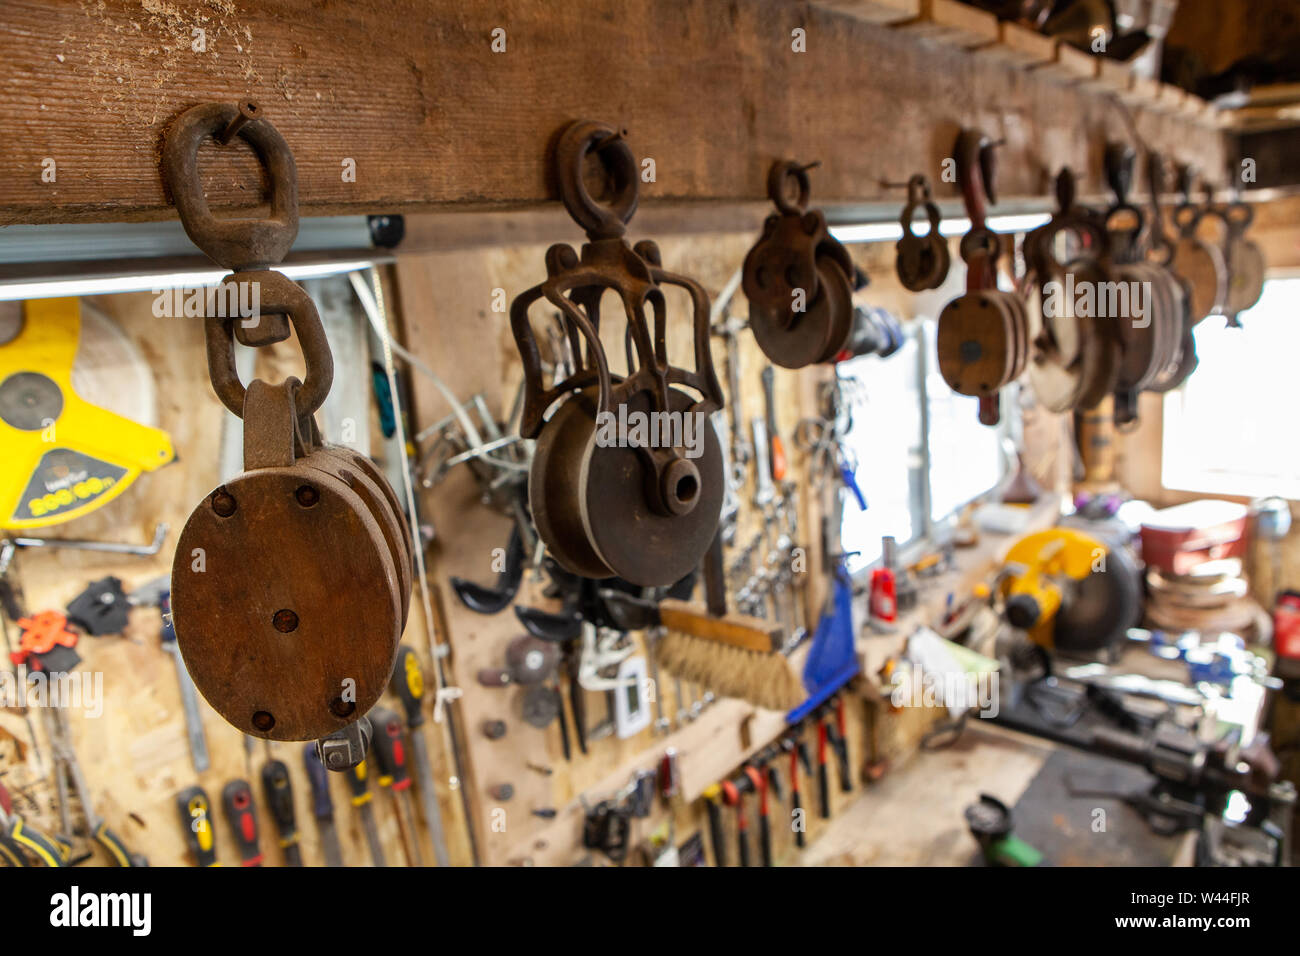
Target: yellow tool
<point>1070,591</point>
<point>64,456</point>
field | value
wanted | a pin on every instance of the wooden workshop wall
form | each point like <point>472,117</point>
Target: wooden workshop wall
<point>136,756</point>
<point>446,303</point>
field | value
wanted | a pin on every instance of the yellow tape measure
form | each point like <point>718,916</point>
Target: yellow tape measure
<point>64,456</point>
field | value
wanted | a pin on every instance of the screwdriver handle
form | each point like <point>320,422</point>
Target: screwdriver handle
<point>358,778</point>
<point>823,774</point>
<point>196,819</point>
<point>713,801</point>
<point>237,801</point>
<point>322,807</point>
<point>408,684</point>
<point>279,797</point>
<point>389,748</point>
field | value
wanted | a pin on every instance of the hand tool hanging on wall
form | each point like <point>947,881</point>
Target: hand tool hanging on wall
<point>359,780</point>
<point>713,800</point>
<point>68,767</point>
<point>322,806</point>
<point>388,749</point>
<point>641,510</point>
<point>64,457</point>
<point>302,564</point>
<point>408,685</point>
<point>189,695</point>
<point>279,797</point>
<point>921,261</point>
<point>196,821</point>
<point>758,783</point>
<point>733,655</point>
<point>798,278</point>
<point>983,339</point>
<point>241,814</point>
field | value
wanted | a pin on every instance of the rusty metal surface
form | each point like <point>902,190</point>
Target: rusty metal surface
<point>639,519</point>
<point>795,276</point>
<point>291,582</point>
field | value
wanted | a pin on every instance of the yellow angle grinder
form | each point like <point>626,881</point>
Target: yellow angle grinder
<point>63,455</point>
<point>1071,591</point>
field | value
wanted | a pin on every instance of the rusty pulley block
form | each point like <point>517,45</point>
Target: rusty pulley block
<point>626,478</point>
<point>798,278</point>
<point>921,261</point>
<point>291,581</point>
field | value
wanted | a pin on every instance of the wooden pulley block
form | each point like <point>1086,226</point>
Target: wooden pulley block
<point>1244,260</point>
<point>627,475</point>
<point>290,583</point>
<point>1199,262</point>
<point>982,341</point>
<point>286,595</point>
<point>921,262</point>
<point>795,276</point>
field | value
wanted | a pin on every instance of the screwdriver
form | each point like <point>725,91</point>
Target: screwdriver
<point>279,797</point>
<point>713,798</point>
<point>823,775</point>
<point>840,742</point>
<point>408,685</point>
<point>322,807</point>
<point>359,780</point>
<point>389,749</point>
<point>773,438</point>
<point>195,810</point>
<point>237,801</point>
<point>758,781</point>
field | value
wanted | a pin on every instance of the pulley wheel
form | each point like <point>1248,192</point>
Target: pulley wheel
<point>640,545</point>
<point>286,603</point>
<point>797,339</point>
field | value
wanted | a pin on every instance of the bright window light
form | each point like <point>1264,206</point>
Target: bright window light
<point>51,288</point>
<point>1230,430</point>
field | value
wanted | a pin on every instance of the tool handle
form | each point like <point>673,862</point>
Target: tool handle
<point>237,802</point>
<point>196,820</point>
<point>765,839</point>
<point>389,748</point>
<point>823,774</point>
<point>322,807</point>
<point>715,831</point>
<point>775,447</point>
<point>50,851</point>
<point>408,684</point>
<point>279,798</point>
<point>796,805</point>
<point>358,778</point>
<point>742,841</point>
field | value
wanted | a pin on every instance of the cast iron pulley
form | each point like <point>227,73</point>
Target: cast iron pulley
<point>291,581</point>
<point>627,476</point>
<point>797,278</point>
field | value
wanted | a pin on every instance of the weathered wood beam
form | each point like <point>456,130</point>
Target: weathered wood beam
<point>414,94</point>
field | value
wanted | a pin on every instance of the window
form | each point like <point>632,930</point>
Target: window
<point>921,451</point>
<point>1230,429</point>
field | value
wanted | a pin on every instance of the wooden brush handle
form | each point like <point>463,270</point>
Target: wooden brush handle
<point>737,630</point>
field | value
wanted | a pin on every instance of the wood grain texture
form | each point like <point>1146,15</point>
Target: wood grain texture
<point>413,93</point>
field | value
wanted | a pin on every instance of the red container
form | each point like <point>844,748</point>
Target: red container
<point>1286,626</point>
<point>1177,539</point>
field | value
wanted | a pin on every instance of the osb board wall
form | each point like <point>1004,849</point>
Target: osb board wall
<point>135,756</point>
